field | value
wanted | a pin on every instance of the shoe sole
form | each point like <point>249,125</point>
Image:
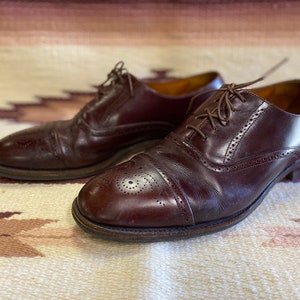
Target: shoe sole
<point>76,173</point>
<point>127,234</point>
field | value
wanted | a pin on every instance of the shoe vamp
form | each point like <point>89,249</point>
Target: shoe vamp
<point>213,190</point>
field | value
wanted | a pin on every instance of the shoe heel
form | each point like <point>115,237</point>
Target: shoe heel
<point>294,175</point>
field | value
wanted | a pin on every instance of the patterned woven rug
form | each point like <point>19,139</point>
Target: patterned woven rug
<point>52,53</point>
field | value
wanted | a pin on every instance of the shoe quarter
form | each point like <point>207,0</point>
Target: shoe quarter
<point>235,145</point>
<point>267,130</point>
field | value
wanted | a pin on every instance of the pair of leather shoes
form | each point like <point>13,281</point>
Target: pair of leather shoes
<point>207,174</point>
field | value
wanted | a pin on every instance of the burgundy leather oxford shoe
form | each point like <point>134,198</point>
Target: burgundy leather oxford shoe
<point>207,175</point>
<point>126,117</point>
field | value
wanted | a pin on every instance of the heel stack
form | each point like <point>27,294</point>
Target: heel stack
<point>294,175</point>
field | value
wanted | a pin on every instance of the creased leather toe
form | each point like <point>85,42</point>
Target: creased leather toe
<point>133,195</point>
<point>21,149</point>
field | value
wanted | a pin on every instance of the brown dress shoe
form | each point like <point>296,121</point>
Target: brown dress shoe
<point>126,117</point>
<point>207,175</point>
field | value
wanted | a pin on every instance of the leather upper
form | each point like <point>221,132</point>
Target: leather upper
<point>218,162</point>
<point>126,111</point>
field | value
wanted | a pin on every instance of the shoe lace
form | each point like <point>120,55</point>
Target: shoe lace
<point>117,74</point>
<point>114,76</point>
<point>223,109</point>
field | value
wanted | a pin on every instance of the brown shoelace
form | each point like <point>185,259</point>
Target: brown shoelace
<point>117,74</point>
<point>114,76</point>
<point>224,107</point>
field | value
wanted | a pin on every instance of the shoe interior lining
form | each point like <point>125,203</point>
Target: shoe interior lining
<point>182,86</point>
<point>285,95</point>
